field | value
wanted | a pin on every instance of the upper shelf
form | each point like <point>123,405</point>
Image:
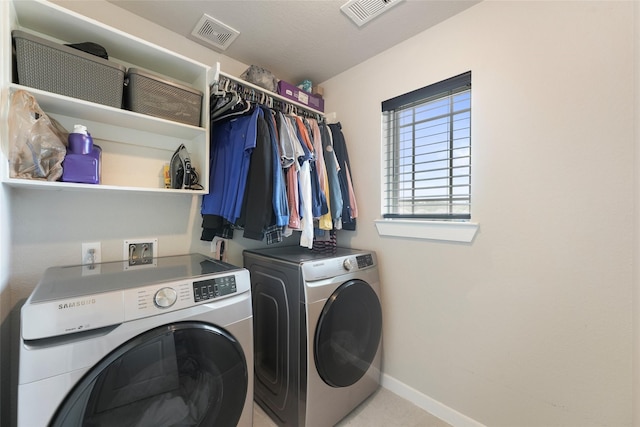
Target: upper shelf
<point>70,27</point>
<point>88,111</point>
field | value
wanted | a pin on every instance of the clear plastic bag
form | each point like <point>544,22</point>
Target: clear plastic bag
<point>260,77</point>
<point>37,142</point>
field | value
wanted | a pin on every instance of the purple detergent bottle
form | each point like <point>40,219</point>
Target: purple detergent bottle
<point>82,161</point>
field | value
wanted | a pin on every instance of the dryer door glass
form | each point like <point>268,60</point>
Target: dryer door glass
<point>348,334</point>
<point>187,374</point>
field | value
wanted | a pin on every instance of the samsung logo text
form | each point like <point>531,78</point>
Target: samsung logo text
<point>76,304</point>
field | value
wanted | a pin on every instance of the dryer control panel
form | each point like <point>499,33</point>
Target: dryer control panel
<point>323,268</point>
<point>361,261</point>
<point>364,260</point>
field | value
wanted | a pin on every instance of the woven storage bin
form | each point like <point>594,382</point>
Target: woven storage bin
<point>60,69</point>
<point>157,96</point>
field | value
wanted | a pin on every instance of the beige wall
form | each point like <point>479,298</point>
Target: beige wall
<point>531,324</point>
<point>636,258</point>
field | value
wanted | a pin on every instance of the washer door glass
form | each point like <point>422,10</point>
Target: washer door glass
<point>348,334</point>
<point>186,374</point>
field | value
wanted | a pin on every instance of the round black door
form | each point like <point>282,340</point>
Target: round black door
<point>183,374</point>
<point>348,334</point>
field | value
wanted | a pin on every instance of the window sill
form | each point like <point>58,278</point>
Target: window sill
<point>430,230</point>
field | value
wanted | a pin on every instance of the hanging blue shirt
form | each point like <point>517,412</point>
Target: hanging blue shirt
<point>232,142</point>
<point>280,205</point>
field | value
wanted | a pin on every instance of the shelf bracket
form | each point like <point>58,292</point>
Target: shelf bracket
<point>216,75</point>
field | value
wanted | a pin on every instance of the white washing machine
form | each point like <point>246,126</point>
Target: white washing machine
<point>317,330</point>
<point>161,345</point>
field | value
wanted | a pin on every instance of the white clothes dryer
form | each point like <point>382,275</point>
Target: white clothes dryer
<point>161,345</point>
<point>318,332</point>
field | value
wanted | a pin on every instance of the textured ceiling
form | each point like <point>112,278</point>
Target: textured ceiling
<point>301,39</point>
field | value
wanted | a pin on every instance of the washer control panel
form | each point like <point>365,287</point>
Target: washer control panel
<point>152,300</point>
<point>213,288</point>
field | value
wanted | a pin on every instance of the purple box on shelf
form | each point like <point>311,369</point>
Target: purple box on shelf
<point>292,92</point>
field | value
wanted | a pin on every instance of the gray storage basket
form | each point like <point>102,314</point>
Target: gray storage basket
<point>60,69</point>
<point>157,96</point>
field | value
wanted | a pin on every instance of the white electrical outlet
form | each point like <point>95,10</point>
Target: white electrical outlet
<point>91,258</point>
<point>91,253</point>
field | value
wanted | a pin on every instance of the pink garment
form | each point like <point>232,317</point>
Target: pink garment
<point>292,198</point>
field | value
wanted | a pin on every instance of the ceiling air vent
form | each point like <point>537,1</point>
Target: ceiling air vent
<point>214,32</point>
<point>363,11</point>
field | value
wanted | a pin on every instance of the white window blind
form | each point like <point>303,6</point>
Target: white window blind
<point>427,153</point>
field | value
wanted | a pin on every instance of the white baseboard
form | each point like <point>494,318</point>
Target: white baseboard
<point>430,405</point>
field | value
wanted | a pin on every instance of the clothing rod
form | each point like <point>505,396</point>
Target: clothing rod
<point>265,92</point>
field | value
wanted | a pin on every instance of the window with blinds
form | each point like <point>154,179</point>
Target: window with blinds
<point>427,153</point>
